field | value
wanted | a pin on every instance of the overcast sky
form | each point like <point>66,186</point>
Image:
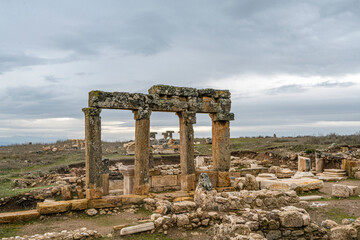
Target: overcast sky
<point>293,67</point>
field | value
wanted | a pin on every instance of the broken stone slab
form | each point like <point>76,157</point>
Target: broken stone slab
<point>354,190</point>
<point>310,198</point>
<point>339,190</point>
<point>137,228</point>
<point>22,216</point>
<point>299,174</point>
<point>299,185</point>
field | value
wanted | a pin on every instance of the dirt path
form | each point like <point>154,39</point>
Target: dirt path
<point>335,209</point>
<point>101,223</point>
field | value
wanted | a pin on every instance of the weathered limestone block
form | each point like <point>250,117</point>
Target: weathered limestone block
<point>251,183</point>
<point>299,185</point>
<point>183,206</point>
<point>79,204</point>
<point>357,175</point>
<point>223,179</point>
<point>329,224</point>
<point>132,199</point>
<point>167,180</point>
<point>354,190</point>
<point>79,192</point>
<point>212,175</point>
<point>94,193</point>
<point>182,220</point>
<point>22,216</point>
<point>339,190</point>
<point>188,182</point>
<point>53,207</point>
<point>304,164</point>
<point>343,232</point>
<point>137,228</point>
<point>66,192</point>
<point>105,202</point>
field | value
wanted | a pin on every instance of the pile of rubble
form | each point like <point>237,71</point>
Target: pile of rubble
<point>82,233</point>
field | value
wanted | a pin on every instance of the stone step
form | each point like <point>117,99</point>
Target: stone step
<point>334,170</point>
<point>334,174</point>
<point>310,198</point>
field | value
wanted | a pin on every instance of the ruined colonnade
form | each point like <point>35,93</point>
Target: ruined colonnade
<point>185,102</point>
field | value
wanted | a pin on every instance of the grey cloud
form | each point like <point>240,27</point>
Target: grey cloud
<point>291,88</point>
<point>12,61</point>
<point>40,102</point>
<point>52,78</point>
<point>335,84</point>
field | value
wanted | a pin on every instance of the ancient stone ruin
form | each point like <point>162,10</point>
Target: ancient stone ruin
<point>185,102</point>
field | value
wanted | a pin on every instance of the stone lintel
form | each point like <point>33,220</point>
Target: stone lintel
<point>139,101</point>
<point>188,92</point>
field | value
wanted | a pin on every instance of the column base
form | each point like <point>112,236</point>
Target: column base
<point>142,189</point>
<point>94,193</point>
<point>188,182</point>
<point>223,179</point>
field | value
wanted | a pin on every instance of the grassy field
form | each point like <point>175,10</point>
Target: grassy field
<point>17,161</point>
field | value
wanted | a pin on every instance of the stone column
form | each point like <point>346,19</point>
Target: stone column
<point>93,163</point>
<point>221,149</point>
<point>142,151</point>
<point>304,164</point>
<point>186,120</point>
<point>319,163</point>
<point>128,173</point>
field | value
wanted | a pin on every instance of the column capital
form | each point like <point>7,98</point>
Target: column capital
<point>222,116</point>
<point>188,116</point>
<point>92,111</point>
<point>142,113</point>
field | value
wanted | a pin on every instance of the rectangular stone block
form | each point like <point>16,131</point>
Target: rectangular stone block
<point>53,207</point>
<point>105,202</point>
<point>213,176</point>
<point>342,191</point>
<point>304,164</point>
<point>79,204</point>
<point>22,216</point>
<point>188,182</point>
<point>133,199</point>
<point>162,181</point>
<point>94,193</point>
<point>354,190</point>
<point>224,179</point>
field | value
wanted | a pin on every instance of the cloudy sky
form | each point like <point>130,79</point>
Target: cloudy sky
<point>293,67</point>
